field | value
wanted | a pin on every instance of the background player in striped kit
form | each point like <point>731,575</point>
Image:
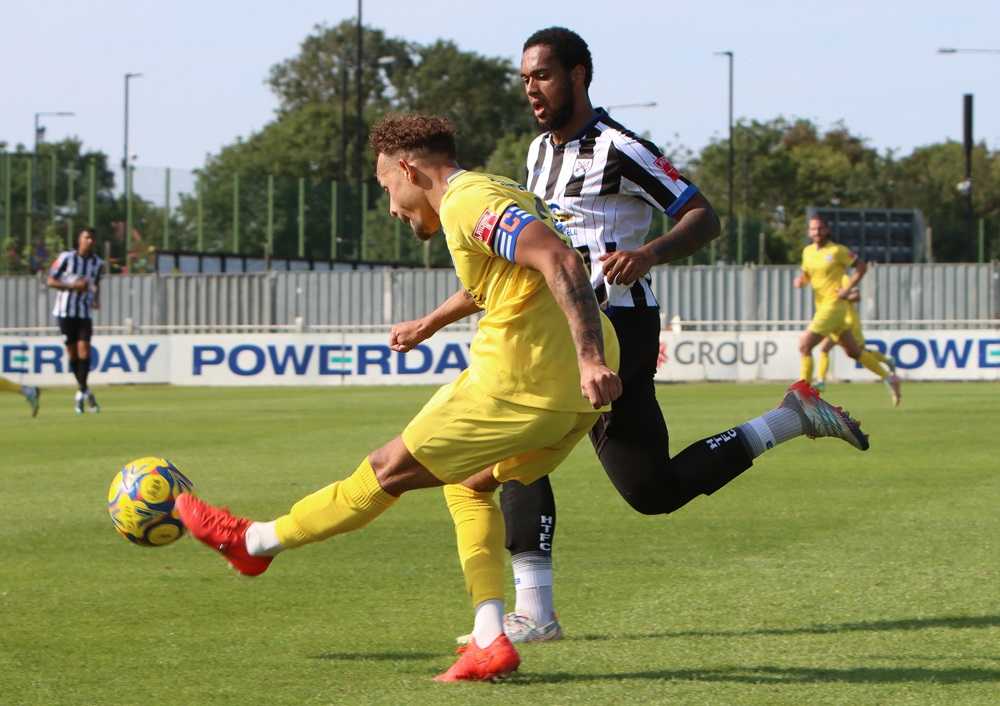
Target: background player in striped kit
<point>76,276</point>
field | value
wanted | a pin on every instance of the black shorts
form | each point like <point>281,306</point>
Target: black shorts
<point>74,330</point>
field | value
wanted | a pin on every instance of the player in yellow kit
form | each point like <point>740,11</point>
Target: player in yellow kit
<point>541,369</point>
<point>854,324</point>
<point>30,393</point>
<point>824,264</point>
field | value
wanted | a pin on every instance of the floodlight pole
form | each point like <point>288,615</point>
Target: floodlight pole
<point>968,51</point>
<point>362,138</point>
<point>609,108</point>
<point>729,220</point>
<point>966,185</point>
<point>127,181</point>
<point>39,131</point>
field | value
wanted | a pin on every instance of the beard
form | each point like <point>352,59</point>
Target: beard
<point>422,232</point>
<point>561,111</point>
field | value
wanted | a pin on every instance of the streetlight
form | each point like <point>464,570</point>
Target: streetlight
<point>969,51</point>
<point>609,108</point>
<point>965,186</point>
<point>729,223</point>
<point>128,180</point>
<point>39,135</point>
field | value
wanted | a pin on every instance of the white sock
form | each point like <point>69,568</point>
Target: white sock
<point>26,390</point>
<point>489,622</point>
<point>533,586</point>
<point>770,429</point>
<point>262,540</point>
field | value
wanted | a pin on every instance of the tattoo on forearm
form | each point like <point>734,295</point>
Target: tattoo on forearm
<point>576,296</point>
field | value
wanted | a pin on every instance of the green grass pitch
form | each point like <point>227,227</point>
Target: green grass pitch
<point>821,576</point>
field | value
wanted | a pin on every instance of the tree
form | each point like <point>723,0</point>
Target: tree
<point>59,180</point>
<point>787,167</point>
<point>317,136</point>
<point>931,177</point>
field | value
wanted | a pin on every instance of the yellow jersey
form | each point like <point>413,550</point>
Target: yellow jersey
<point>825,267</point>
<point>523,351</point>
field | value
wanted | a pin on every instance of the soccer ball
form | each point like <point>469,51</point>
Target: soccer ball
<point>141,501</point>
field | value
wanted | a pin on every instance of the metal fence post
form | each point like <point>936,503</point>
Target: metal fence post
<point>270,214</point>
<point>364,221</point>
<point>52,187</point>
<point>334,217</point>
<point>982,240</point>
<point>71,204</point>
<point>28,205</point>
<point>5,176</point>
<point>91,193</point>
<point>166,210</point>
<point>201,215</point>
<point>302,217</point>
<point>236,213</point>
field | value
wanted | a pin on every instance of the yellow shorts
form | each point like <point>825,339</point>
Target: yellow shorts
<point>830,319</point>
<point>461,431</point>
<point>855,327</point>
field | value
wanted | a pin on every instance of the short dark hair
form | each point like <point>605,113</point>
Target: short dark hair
<point>413,134</point>
<point>568,47</point>
<point>88,229</point>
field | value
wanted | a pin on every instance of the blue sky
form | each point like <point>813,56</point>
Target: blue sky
<point>873,64</point>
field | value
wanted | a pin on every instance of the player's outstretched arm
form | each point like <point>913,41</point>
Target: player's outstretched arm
<point>540,249</point>
<point>407,334</point>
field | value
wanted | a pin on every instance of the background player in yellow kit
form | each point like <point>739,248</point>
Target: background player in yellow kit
<point>541,368</point>
<point>824,264</point>
<point>854,324</point>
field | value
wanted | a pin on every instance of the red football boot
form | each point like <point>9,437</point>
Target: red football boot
<point>222,531</point>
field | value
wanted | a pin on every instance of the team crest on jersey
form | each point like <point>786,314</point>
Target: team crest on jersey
<point>582,166</point>
<point>667,168</point>
<point>558,214</point>
<point>486,227</point>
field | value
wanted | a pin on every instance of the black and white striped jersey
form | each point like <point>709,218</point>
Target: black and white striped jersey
<point>69,267</point>
<point>602,187</point>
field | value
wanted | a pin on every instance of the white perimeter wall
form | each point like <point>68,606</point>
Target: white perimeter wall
<point>365,359</point>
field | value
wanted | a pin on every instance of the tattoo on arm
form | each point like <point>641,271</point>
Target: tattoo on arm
<point>575,296</point>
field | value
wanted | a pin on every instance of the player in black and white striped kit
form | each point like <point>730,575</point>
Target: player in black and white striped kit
<point>602,182</point>
<point>76,276</point>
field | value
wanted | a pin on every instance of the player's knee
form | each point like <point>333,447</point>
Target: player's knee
<point>650,504</point>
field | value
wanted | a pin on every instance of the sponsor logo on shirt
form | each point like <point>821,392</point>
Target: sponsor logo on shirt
<point>486,226</point>
<point>667,168</point>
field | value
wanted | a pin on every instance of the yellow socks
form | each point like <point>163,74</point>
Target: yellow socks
<point>341,507</point>
<point>8,386</point>
<point>879,355</point>
<point>479,529</point>
<point>869,360</point>
<point>807,367</point>
<point>824,365</point>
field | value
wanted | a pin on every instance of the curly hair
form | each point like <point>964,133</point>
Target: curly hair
<point>413,134</point>
<point>568,47</point>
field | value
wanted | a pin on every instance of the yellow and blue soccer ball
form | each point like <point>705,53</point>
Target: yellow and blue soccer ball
<point>141,501</point>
